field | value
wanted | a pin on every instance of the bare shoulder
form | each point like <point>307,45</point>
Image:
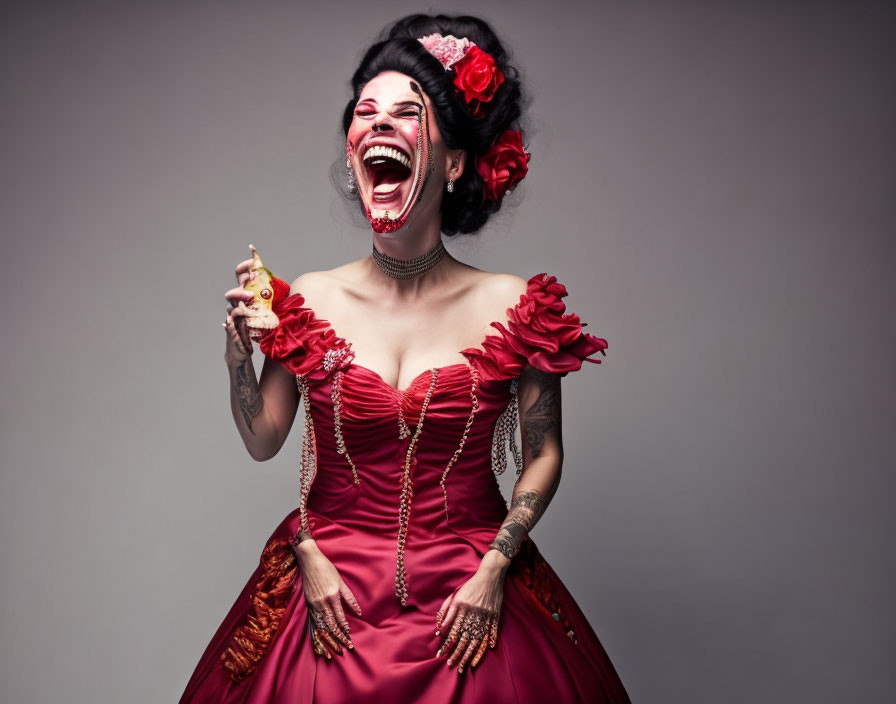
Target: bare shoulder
<point>501,288</point>
<point>320,282</point>
<point>307,282</point>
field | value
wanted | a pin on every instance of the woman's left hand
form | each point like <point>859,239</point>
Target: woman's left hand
<point>472,613</point>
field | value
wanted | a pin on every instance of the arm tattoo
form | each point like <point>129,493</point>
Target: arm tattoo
<point>525,510</point>
<point>248,393</point>
<point>543,417</point>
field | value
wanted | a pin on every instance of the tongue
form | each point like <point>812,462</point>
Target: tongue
<point>385,188</point>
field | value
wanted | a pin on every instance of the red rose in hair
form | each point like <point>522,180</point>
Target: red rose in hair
<point>477,76</point>
<point>504,165</point>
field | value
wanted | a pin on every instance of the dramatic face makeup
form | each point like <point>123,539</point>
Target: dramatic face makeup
<point>390,149</point>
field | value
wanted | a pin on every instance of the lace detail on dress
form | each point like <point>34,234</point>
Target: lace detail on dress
<point>505,433</point>
<point>268,603</point>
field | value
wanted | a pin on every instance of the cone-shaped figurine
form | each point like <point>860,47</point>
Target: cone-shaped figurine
<point>262,317</point>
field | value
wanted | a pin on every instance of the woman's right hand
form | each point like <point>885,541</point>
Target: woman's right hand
<point>238,347</point>
<point>324,590</point>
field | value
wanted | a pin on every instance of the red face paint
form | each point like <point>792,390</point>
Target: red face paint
<point>390,149</point>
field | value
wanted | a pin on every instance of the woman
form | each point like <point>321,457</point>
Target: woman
<point>406,553</point>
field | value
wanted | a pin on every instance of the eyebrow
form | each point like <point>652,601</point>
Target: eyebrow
<point>400,103</point>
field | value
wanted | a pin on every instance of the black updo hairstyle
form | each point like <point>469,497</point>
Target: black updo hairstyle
<point>397,49</point>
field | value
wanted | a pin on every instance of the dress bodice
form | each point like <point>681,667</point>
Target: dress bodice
<point>371,451</point>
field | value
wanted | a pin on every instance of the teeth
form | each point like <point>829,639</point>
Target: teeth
<point>382,150</point>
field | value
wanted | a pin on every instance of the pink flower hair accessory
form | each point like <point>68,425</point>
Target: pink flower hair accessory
<point>447,49</point>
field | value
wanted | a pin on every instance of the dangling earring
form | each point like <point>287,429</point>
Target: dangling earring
<point>451,186</point>
<point>352,186</point>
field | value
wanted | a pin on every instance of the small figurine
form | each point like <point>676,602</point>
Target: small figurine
<point>260,316</point>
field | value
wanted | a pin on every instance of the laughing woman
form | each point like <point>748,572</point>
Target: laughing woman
<point>403,555</point>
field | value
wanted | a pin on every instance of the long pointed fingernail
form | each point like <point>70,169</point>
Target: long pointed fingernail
<point>439,652</point>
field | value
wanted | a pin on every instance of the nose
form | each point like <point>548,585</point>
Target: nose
<point>381,124</point>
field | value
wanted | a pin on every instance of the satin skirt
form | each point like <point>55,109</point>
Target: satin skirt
<point>546,650</point>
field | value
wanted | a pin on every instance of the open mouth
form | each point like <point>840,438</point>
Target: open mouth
<point>387,169</point>
<point>391,180</point>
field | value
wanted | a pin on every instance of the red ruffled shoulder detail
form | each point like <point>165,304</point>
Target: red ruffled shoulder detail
<point>303,343</point>
<point>539,333</point>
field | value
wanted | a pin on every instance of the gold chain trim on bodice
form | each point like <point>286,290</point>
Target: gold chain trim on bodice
<point>336,397</point>
<point>403,430</point>
<point>309,460</point>
<point>407,495</point>
<point>474,406</point>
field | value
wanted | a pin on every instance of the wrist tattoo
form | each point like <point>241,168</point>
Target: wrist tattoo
<point>543,416</point>
<point>300,537</point>
<point>248,393</point>
<point>525,510</point>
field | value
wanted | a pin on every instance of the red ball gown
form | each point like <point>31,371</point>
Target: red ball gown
<point>407,528</point>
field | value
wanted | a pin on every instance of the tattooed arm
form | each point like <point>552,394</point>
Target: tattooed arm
<point>262,410</point>
<point>471,613</point>
<point>540,422</point>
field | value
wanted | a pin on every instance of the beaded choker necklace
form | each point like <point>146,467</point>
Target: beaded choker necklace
<point>409,268</point>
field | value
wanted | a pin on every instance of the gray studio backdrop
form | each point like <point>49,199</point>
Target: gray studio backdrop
<point>712,181</point>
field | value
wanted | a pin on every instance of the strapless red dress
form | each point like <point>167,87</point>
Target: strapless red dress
<point>405,529</point>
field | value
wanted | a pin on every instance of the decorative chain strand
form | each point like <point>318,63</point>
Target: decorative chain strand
<point>474,407</point>
<point>336,396</point>
<point>407,495</point>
